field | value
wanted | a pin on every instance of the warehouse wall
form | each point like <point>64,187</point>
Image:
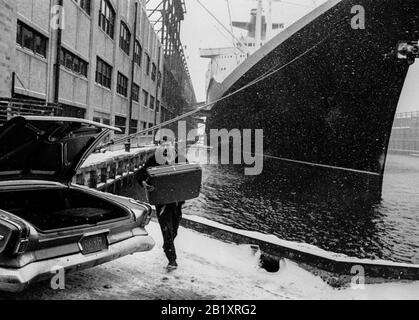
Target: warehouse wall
<point>7,45</point>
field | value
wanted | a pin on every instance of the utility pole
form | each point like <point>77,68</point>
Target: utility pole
<point>57,68</point>
<point>157,89</point>
<point>128,143</point>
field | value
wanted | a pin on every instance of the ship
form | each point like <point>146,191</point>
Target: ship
<point>325,91</point>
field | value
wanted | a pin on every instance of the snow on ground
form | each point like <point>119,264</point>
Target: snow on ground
<point>208,269</point>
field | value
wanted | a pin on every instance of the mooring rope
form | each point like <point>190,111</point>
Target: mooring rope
<point>266,75</point>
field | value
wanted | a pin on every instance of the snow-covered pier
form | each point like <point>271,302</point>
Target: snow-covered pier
<point>336,269</point>
<point>112,170</point>
<point>208,269</point>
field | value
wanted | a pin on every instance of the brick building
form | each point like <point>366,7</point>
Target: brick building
<point>85,58</point>
<point>7,46</point>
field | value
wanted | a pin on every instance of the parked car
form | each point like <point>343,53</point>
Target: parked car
<point>46,222</point>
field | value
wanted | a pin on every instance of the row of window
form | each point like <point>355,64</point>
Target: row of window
<point>153,103</point>
<point>73,62</point>
<point>138,53</point>
<point>107,17</point>
<point>121,123</point>
<point>103,73</point>
<point>145,126</point>
<point>125,38</point>
<point>107,23</point>
<point>104,78</point>
<point>135,93</point>
<point>31,39</point>
<point>122,85</point>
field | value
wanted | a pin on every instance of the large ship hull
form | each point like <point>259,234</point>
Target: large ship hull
<point>331,100</point>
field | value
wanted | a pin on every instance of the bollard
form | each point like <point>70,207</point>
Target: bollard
<point>104,175</point>
<point>120,168</point>
<point>112,172</point>
<point>80,179</point>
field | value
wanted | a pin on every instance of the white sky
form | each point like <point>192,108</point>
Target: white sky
<point>200,30</point>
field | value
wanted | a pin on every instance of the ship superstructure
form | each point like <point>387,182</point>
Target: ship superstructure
<point>259,29</point>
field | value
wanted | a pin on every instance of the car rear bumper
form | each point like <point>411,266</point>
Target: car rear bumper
<point>17,280</point>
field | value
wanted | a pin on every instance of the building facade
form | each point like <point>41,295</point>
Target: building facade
<point>7,46</point>
<point>88,56</point>
<point>405,134</point>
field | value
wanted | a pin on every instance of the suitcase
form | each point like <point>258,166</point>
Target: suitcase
<point>176,183</point>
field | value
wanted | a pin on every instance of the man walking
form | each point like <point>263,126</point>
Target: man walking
<point>168,215</point>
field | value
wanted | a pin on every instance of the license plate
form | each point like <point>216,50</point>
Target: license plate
<point>93,244</point>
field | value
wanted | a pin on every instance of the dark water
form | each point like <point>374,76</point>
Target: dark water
<point>379,228</point>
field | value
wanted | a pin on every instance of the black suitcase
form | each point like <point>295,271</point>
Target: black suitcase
<point>176,183</point>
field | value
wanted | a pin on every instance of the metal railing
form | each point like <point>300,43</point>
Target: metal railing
<point>404,115</point>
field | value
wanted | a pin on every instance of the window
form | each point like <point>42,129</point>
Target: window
<point>122,85</point>
<point>31,39</point>
<point>73,112</point>
<point>133,126</point>
<point>150,125</point>
<point>159,79</point>
<point>28,39</point>
<point>147,63</point>
<point>19,39</point>
<point>154,72</point>
<point>152,100</point>
<point>138,53</point>
<point>145,94</point>
<point>41,45</point>
<point>85,5</point>
<point>158,106</point>
<point>135,92</point>
<point>121,123</point>
<point>125,38</point>
<point>107,17</point>
<point>73,62</point>
<point>103,73</point>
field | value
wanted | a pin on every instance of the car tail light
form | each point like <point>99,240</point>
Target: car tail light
<point>143,213</point>
<point>14,235</point>
<point>4,237</point>
<point>147,218</point>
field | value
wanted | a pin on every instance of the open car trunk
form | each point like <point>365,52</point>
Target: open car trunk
<point>53,209</point>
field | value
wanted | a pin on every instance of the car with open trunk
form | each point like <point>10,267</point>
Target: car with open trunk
<point>46,222</point>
